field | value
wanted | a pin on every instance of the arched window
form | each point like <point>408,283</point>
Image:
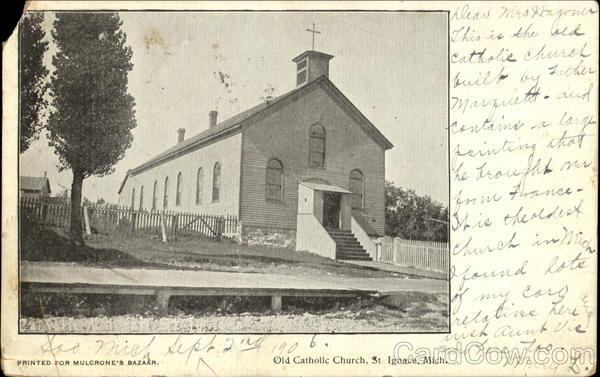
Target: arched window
<point>154,194</point>
<point>216,191</point>
<point>133,198</point>
<point>356,187</point>
<point>316,146</point>
<point>274,180</point>
<point>199,185</point>
<point>178,192</point>
<point>141,198</point>
<point>166,193</point>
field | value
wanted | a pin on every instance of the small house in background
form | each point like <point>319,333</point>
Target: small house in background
<point>34,187</point>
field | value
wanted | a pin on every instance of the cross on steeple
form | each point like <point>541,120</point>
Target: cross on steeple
<point>313,31</point>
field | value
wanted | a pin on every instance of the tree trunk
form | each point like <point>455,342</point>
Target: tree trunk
<point>75,230</point>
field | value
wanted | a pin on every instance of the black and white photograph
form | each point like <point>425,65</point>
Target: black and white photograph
<point>233,172</point>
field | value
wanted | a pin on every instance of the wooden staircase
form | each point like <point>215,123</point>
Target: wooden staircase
<point>347,246</point>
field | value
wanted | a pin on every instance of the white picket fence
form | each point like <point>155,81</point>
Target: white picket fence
<point>431,256</point>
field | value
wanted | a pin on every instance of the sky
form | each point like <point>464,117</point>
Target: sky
<point>391,65</point>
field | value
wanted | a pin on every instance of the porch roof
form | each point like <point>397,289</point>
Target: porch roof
<point>324,187</point>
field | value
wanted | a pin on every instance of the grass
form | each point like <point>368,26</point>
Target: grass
<point>125,251</point>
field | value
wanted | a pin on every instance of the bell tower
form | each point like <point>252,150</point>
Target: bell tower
<point>310,65</point>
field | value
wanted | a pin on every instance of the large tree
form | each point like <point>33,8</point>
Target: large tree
<point>410,216</point>
<point>92,114</point>
<point>32,48</point>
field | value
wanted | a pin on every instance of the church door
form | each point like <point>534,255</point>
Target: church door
<point>331,210</point>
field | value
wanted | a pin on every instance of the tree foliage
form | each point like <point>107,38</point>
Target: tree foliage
<point>92,114</point>
<point>410,216</point>
<point>33,74</point>
<point>90,125</point>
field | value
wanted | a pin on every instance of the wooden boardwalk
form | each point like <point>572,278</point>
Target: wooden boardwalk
<point>66,278</point>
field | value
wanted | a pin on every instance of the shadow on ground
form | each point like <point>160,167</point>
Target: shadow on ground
<point>47,245</point>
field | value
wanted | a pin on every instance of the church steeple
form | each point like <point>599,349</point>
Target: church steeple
<point>310,65</point>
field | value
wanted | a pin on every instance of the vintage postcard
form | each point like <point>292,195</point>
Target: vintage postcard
<point>300,188</point>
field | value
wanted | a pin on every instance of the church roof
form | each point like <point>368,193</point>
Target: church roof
<point>232,124</point>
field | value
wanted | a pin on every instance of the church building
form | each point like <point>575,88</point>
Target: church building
<point>304,170</point>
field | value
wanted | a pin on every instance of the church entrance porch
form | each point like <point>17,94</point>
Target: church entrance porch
<point>328,204</point>
<point>325,224</point>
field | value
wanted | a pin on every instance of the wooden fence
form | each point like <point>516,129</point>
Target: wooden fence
<point>110,218</point>
<point>432,256</point>
<point>45,212</point>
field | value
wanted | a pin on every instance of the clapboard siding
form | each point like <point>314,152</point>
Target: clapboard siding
<point>226,151</point>
<point>284,135</point>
